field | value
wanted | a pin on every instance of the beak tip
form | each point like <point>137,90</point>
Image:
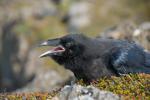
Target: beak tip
<point>45,54</point>
<point>43,43</point>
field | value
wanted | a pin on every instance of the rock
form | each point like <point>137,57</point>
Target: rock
<point>78,19</point>
<point>46,80</point>
<point>130,31</point>
<point>78,92</point>
<point>8,53</point>
<point>30,8</point>
<point>142,35</point>
<point>18,60</point>
<point>120,31</point>
<point>92,16</point>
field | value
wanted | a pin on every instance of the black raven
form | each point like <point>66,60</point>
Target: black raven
<point>93,58</point>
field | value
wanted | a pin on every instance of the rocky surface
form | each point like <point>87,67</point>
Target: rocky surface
<point>93,16</point>
<point>18,60</point>
<point>131,32</point>
<point>78,92</point>
<point>46,80</point>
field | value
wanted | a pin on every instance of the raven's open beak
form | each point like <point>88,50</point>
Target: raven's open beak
<point>58,49</point>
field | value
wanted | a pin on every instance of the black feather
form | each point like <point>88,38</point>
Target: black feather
<point>93,58</point>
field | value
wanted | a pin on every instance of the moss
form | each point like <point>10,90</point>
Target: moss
<point>132,86</point>
<point>29,96</point>
<point>135,86</point>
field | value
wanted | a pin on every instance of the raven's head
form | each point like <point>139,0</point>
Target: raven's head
<point>65,47</point>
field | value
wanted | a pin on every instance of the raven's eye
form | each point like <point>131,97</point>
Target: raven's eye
<point>69,44</point>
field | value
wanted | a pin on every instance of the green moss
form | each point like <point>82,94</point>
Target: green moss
<point>133,86</point>
<point>136,86</point>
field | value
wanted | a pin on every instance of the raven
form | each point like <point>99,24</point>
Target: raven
<point>93,58</point>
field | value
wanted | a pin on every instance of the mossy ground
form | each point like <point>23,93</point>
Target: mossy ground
<point>133,86</point>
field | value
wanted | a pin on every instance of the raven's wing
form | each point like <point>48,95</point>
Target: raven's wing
<point>129,60</point>
<point>99,68</point>
<point>147,62</point>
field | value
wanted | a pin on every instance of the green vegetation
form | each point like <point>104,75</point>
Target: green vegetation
<point>132,85</point>
<point>136,86</point>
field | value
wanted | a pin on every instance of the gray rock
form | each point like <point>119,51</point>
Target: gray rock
<point>18,60</point>
<point>78,92</point>
<point>79,18</point>
<point>46,80</point>
<point>130,31</point>
<point>123,30</point>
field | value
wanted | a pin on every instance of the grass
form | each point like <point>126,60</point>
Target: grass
<point>135,86</point>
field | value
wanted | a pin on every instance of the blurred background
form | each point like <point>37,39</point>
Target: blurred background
<point>25,23</point>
